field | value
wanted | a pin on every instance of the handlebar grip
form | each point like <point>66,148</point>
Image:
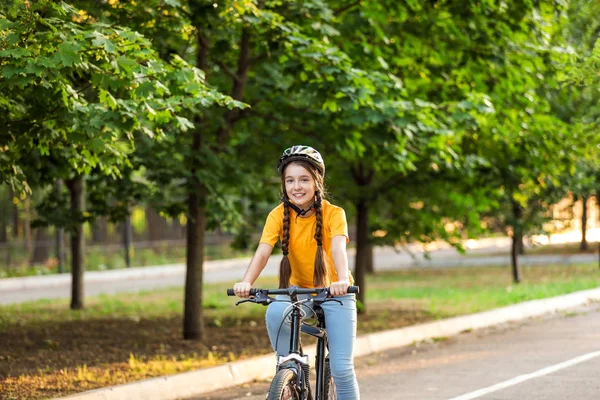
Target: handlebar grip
<point>353,289</point>
<point>253,292</point>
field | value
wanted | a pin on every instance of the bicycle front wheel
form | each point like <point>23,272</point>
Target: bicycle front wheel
<point>283,386</point>
<point>330,389</point>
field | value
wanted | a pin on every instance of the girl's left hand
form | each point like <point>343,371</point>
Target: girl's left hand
<point>339,288</point>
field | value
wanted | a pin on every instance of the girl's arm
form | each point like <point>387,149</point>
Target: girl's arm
<point>340,259</point>
<point>257,264</point>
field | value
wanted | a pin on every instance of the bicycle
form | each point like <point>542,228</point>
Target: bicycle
<point>291,381</point>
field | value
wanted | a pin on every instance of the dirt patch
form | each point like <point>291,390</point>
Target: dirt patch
<point>57,359</point>
<point>46,360</point>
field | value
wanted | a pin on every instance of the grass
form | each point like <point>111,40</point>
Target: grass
<point>545,249</point>
<point>46,350</point>
<point>563,248</point>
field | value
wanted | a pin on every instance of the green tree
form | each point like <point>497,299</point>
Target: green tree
<point>75,95</point>
<point>445,59</point>
<point>270,55</point>
<point>577,103</point>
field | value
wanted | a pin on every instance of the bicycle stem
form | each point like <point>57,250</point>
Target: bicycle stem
<point>295,325</point>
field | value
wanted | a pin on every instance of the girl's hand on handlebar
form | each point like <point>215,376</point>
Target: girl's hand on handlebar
<point>242,289</point>
<point>339,288</point>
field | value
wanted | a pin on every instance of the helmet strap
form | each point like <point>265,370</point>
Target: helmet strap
<point>300,211</point>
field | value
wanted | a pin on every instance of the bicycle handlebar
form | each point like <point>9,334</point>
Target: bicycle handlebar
<point>291,290</point>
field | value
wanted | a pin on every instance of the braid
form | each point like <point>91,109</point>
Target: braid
<point>285,269</point>
<point>320,275</point>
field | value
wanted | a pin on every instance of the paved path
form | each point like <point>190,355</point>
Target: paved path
<point>555,357</point>
<point>17,290</point>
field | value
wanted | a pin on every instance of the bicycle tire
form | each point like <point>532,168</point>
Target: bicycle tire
<point>285,378</point>
<point>330,390</point>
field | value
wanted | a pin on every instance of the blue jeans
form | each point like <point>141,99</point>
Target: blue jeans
<point>340,321</point>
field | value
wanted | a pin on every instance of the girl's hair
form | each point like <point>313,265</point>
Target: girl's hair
<point>285,268</point>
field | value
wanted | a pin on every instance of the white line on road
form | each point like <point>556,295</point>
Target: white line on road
<point>523,378</point>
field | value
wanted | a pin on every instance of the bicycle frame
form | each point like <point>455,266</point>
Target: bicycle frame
<point>296,353</point>
<point>322,345</point>
<point>296,359</point>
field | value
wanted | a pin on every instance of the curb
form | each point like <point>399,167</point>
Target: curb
<point>235,373</point>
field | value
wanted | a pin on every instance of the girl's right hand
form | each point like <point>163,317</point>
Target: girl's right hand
<point>242,289</point>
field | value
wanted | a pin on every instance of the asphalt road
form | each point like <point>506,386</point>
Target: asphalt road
<point>110,282</point>
<point>556,357</point>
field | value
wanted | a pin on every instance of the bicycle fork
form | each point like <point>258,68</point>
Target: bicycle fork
<point>296,360</point>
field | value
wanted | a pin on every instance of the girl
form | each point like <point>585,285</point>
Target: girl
<point>313,234</point>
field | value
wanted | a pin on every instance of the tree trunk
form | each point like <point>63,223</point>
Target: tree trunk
<point>40,247</point>
<point>193,313</point>
<point>6,221</point>
<point>127,239</point>
<point>516,242</point>
<point>584,216</point>
<point>362,253</point>
<point>157,225</point>
<point>193,323</point>
<point>521,244</point>
<point>193,320</point>
<point>515,260</point>
<point>60,249</point>
<point>27,226</point>
<point>76,193</point>
<point>368,249</point>
<point>15,215</point>
<point>14,230</point>
<point>370,263</point>
<point>60,237</point>
<point>100,231</point>
<point>5,212</point>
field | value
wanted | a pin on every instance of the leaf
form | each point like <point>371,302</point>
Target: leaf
<point>64,8</point>
<point>163,116</point>
<point>96,145</point>
<point>107,98</point>
<point>67,54</point>
<point>126,63</point>
<point>330,105</point>
<point>101,41</point>
<point>15,53</point>
<point>150,110</point>
<point>144,89</point>
<point>9,71</point>
<point>5,24</point>
<point>184,123</point>
<point>383,63</point>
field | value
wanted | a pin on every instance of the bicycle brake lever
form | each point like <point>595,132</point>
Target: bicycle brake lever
<point>337,301</point>
<point>258,298</point>
<point>243,301</point>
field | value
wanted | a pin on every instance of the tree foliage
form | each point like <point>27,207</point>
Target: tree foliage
<point>83,91</point>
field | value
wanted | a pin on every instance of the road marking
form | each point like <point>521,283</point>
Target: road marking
<point>523,378</point>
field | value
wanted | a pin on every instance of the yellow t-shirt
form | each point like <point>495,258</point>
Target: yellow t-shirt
<point>303,246</point>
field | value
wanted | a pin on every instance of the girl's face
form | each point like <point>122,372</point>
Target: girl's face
<point>299,185</point>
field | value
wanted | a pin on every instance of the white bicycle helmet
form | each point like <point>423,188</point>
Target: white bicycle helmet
<point>300,152</point>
